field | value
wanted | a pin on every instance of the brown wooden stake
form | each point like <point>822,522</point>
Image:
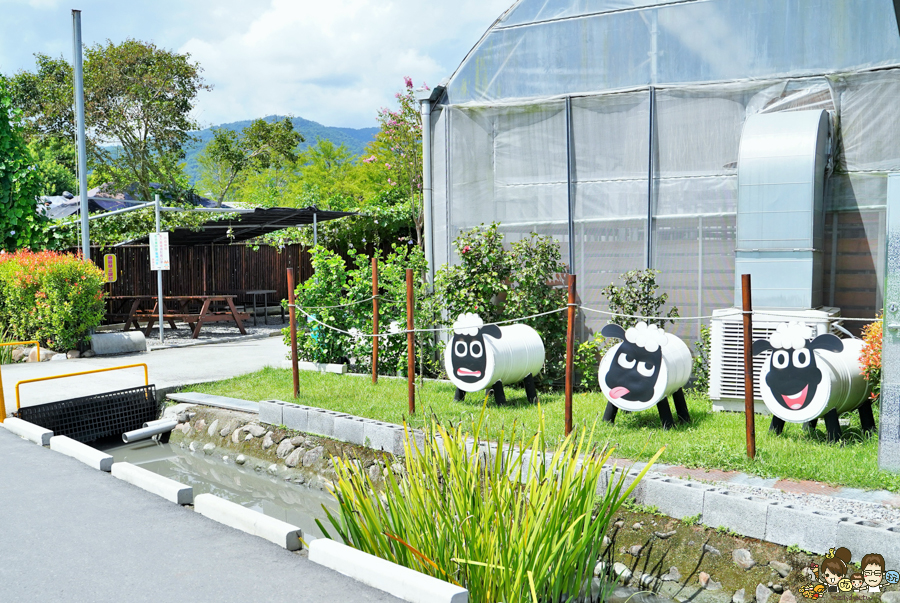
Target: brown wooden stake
<point>570,351</point>
<point>293,326</point>
<point>410,344</point>
<point>375,320</point>
<point>748,367</point>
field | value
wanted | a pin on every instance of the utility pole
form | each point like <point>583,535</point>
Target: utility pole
<point>79,122</point>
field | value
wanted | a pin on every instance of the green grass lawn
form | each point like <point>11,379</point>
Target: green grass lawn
<point>712,440</point>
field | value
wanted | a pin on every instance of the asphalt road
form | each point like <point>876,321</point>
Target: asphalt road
<point>71,533</point>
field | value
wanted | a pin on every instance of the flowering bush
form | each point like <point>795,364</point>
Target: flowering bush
<point>870,358</point>
<point>52,297</point>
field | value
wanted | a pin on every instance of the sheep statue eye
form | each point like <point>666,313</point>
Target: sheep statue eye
<point>460,348</point>
<point>624,361</point>
<point>780,359</point>
<point>476,350</point>
<point>646,369</point>
<point>801,358</point>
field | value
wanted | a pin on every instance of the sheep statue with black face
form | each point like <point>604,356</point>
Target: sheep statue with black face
<point>484,356</point>
<point>642,371</point>
<point>805,379</point>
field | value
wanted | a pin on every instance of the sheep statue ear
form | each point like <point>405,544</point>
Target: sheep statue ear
<point>613,331</point>
<point>828,341</point>
<point>760,346</point>
<point>491,331</point>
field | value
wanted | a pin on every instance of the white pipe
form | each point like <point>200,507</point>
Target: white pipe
<point>148,432</point>
<point>79,118</point>
<point>427,189</point>
<point>157,422</point>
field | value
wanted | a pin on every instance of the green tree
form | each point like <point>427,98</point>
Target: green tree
<point>331,168</point>
<point>20,226</point>
<point>258,147</point>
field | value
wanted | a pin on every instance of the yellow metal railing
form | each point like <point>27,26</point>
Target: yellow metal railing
<point>2,399</point>
<point>103,370</point>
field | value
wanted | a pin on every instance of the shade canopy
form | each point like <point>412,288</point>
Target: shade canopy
<point>249,224</point>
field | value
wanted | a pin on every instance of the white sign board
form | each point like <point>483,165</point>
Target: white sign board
<point>159,251</point>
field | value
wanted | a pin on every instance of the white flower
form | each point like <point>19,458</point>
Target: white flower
<point>467,324</point>
<point>790,335</point>
<point>355,333</point>
<point>394,327</point>
<point>649,337</point>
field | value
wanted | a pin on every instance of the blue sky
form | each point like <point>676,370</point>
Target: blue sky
<point>336,62</point>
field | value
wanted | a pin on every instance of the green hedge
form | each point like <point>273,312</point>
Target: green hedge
<point>51,297</point>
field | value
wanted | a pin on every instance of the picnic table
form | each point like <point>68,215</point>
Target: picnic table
<point>177,307</point>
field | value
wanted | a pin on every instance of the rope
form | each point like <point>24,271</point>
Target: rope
<point>347,305</point>
<point>663,318</point>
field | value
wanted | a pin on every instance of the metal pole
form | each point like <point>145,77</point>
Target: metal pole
<point>315,230</point>
<point>410,344</point>
<point>427,189</point>
<point>570,351</point>
<point>649,232</point>
<point>375,320</point>
<point>569,192</point>
<point>79,122</point>
<point>292,311</point>
<point>750,425</point>
<point>159,287</point>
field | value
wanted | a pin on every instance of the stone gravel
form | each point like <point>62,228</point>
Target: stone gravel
<point>217,332</point>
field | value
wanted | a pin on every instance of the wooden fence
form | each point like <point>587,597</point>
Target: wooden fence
<point>209,269</point>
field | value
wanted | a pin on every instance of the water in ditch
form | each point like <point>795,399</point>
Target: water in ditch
<point>256,489</point>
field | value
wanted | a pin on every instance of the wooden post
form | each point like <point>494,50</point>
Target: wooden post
<point>375,320</point>
<point>748,367</point>
<point>570,351</point>
<point>410,344</point>
<point>293,326</point>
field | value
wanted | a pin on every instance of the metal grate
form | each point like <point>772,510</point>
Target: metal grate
<point>98,416</point>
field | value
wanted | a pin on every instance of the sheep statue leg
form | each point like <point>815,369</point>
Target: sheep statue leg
<point>665,414</point>
<point>681,409</point>
<point>866,418</point>
<point>499,394</point>
<point>459,396</point>
<point>777,425</point>
<point>530,389</point>
<point>832,426</point>
<point>810,426</point>
<point>609,415</point>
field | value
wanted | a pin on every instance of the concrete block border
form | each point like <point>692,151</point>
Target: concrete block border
<point>247,520</point>
<point>82,452</point>
<point>151,482</point>
<point>29,431</point>
<point>391,578</point>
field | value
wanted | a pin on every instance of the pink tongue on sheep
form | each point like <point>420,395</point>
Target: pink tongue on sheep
<point>617,392</point>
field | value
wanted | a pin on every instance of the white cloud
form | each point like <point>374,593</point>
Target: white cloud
<point>334,62</point>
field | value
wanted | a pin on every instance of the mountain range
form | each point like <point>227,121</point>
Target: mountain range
<point>355,139</point>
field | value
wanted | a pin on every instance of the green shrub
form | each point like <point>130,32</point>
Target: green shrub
<point>51,297</point>
<point>700,371</point>
<point>467,516</point>
<point>502,284</point>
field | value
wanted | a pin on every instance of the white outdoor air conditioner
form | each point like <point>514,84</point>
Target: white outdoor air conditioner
<point>726,361</point>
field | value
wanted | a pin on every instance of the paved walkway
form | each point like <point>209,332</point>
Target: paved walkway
<point>168,368</point>
<point>72,533</point>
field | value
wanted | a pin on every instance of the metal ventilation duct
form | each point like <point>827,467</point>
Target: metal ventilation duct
<point>780,220</point>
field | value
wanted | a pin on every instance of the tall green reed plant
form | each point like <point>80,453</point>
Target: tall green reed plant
<point>503,520</point>
<point>5,351</point>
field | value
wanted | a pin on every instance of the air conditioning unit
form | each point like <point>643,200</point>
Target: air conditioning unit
<point>726,358</point>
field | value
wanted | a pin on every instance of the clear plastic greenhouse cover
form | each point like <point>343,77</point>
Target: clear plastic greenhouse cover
<point>510,147</point>
<point>555,47</point>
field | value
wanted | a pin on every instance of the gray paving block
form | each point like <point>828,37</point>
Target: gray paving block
<point>675,497</point>
<point>745,515</point>
<point>350,429</point>
<point>811,530</point>
<point>321,421</point>
<point>862,537</point>
<point>626,478</point>
<point>384,436</point>
<point>271,412</point>
<point>296,417</point>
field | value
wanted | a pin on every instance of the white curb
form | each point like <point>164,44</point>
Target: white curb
<point>82,452</point>
<point>153,483</point>
<point>394,579</point>
<point>29,431</point>
<point>249,521</point>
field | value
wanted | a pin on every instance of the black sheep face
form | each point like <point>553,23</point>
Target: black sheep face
<point>469,357</point>
<point>634,372</point>
<point>794,375</point>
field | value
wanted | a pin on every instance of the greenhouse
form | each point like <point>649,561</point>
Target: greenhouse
<point>616,126</point>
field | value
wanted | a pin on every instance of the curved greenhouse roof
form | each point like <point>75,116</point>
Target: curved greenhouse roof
<point>544,48</point>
